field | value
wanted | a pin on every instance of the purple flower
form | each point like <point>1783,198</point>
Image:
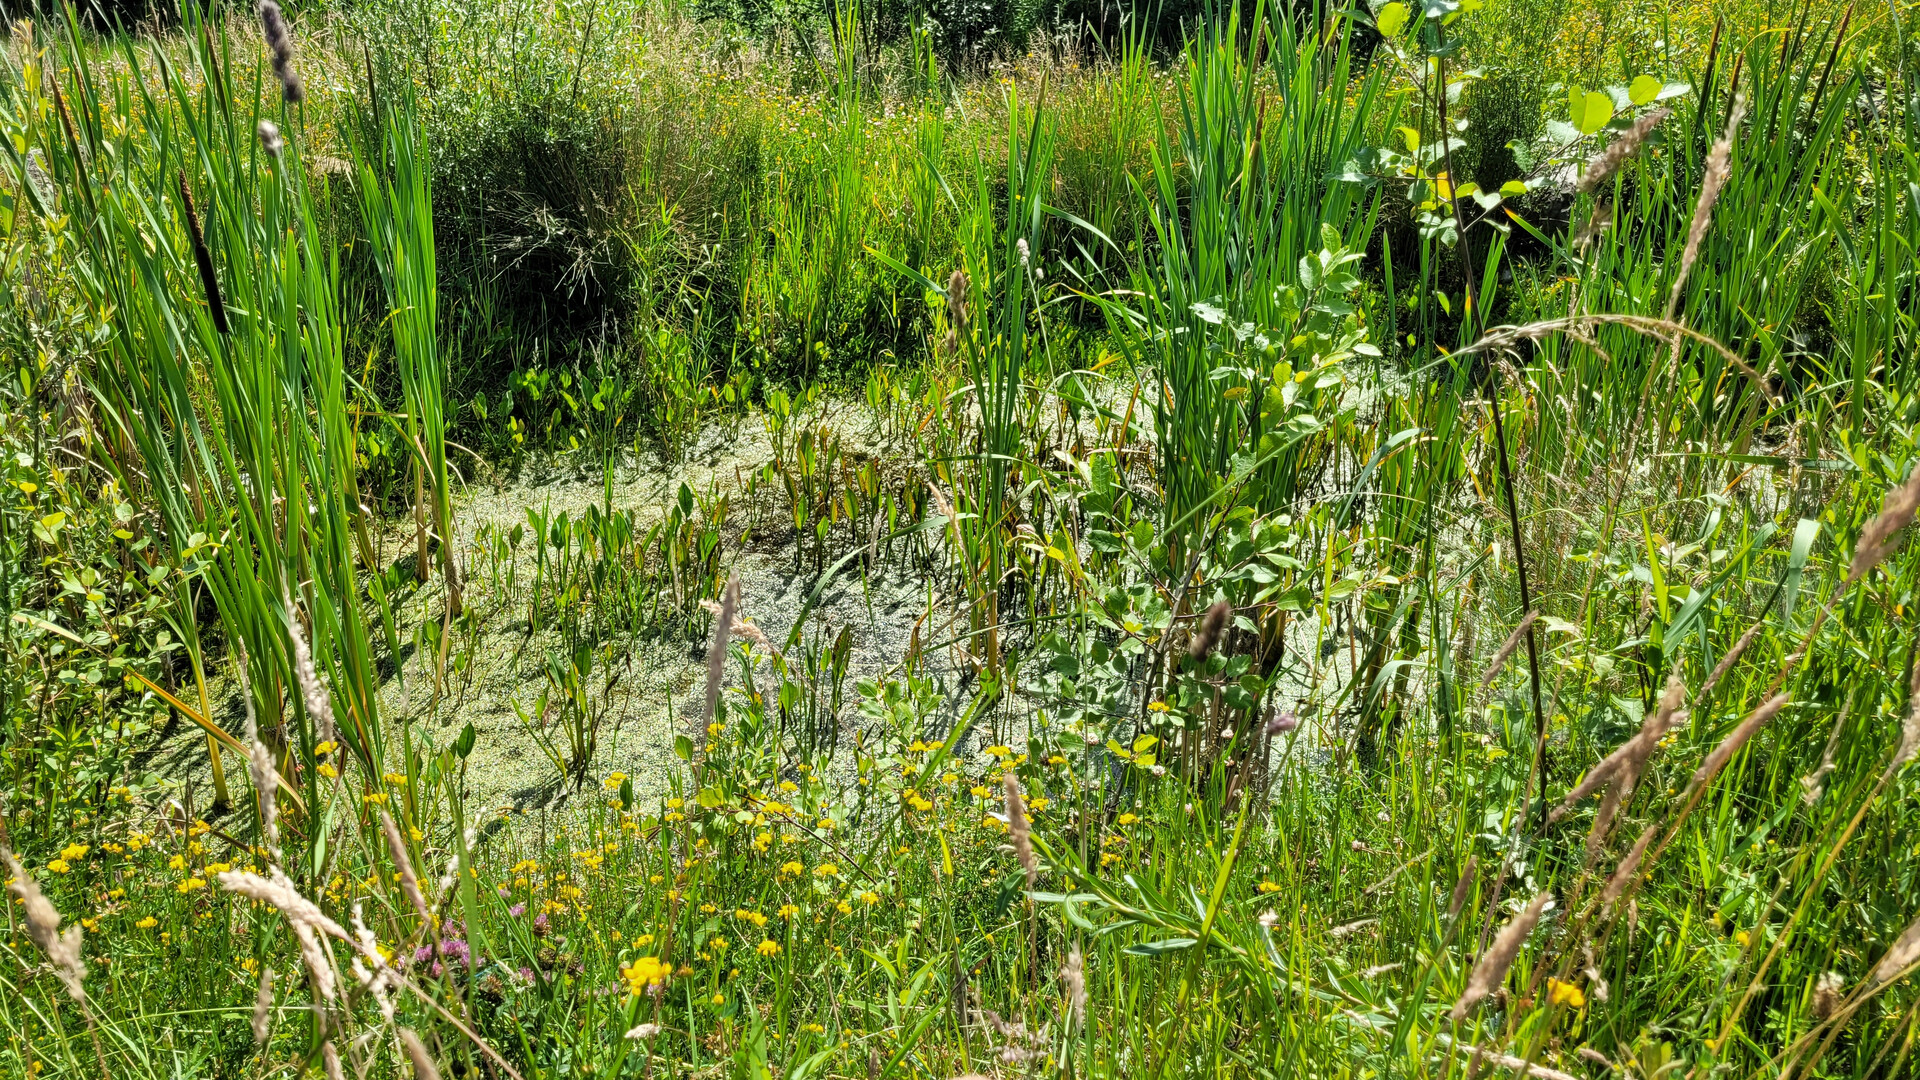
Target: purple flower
<point>540,925</point>
<point>517,910</point>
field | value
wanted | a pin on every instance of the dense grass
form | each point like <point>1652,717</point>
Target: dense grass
<point>1372,626</point>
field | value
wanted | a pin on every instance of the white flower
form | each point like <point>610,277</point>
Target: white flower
<point>644,1031</point>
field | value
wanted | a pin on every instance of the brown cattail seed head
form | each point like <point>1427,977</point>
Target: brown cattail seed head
<point>273,26</point>
<point>1212,628</point>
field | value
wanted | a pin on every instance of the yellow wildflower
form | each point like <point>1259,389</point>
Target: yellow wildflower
<point>1565,994</point>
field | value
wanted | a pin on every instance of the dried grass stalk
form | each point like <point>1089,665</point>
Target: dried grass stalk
<point>1491,971</point>
<point>1876,540</point>
<point>263,1006</point>
<point>1737,738</point>
<point>1726,662</point>
<point>1608,161</point>
<point>409,881</point>
<point>1719,169</point>
<point>717,652</point>
<point>1019,829</point>
<point>1506,649</point>
<point>423,1066</point>
<point>1629,865</point>
<point>43,926</point>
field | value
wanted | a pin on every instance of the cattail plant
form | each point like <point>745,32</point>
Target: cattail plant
<point>1212,628</point>
<point>273,26</point>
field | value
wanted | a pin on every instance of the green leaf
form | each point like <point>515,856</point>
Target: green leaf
<point>1588,111</point>
<point>683,748</point>
<point>1643,89</point>
<point>1513,187</point>
<point>1161,948</point>
<point>1391,20</point>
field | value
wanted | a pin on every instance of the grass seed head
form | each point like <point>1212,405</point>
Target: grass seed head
<point>1018,828</point>
<point>1719,169</point>
<point>409,881</point>
<point>1629,865</point>
<point>1074,977</point>
<point>309,923</point>
<point>43,926</point>
<point>1826,994</point>
<point>1737,738</point>
<point>263,1006</point>
<point>1877,539</point>
<point>423,1066</point>
<point>1506,649</point>
<point>1491,970</point>
<point>1608,161</point>
<point>270,138</point>
<point>1463,887</point>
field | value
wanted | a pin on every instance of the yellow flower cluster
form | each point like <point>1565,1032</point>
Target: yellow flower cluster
<point>646,972</point>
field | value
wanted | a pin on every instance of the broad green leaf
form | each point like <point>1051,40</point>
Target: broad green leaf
<point>1643,89</point>
<point>1411,137</point>
<point>1589,111</point>
<point>1513,187</point>
<point>1391,20</point>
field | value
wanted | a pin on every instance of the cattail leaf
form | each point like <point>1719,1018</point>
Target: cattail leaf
<point>1162,947</point>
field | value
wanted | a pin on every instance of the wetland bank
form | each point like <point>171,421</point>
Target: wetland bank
<point>621,539</point>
